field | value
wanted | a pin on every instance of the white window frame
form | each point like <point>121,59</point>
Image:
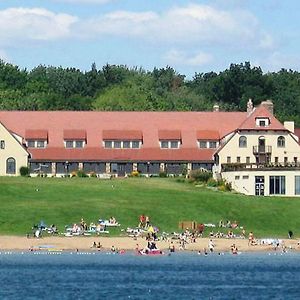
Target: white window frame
<point>36,143</point>
<point>168,144</point>
<point>265,120</point>
<point>73,144</point>
<point>113,144</point>
<point>208,144</point>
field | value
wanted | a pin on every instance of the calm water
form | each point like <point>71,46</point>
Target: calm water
<point>180,276</point>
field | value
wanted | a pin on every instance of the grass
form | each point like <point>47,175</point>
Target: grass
<point>62,201</point>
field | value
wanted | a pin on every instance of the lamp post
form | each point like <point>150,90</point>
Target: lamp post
<point>67,168</point>
<point>148,169</point>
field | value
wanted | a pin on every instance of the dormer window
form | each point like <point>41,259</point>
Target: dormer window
<point>169,139</point>
<point>74,138</point>
<point>262,122</point>
<point>122,139</point>
<point>36,144</point>
<point>122,144</point>
<point>169,144</point>
<point>36,138</point>
<point>203,144</point>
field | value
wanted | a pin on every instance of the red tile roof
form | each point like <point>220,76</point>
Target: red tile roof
<point>74,134</point>
<point>122,135</point>
<point>208,135</point>
<point>169,135</point>
<point>261,112</point>
<point>148,124</point>
<point>101,154</point>
<point>36,134</point>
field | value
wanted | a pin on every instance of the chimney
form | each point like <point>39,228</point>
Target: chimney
<point>268,104</point>
<point>216,107</point>
<point>289,125</point>
<point>249,106</point>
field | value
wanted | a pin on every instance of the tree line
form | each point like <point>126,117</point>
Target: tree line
<point>120,88</point>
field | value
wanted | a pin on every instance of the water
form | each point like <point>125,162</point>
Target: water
<point>179,276</point>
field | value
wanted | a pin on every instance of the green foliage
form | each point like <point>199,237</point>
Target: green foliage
<point>24,171</point>
<point>118,87</point>
<point>163,174</point>
<point>81,173</point>
<point>201,175</point>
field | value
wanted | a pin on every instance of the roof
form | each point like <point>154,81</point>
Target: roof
<point>261,112</point>
<point>36,134</point>
<point>208,135</point>
<point>122,135</point>
<point>143,154</point>
<point>74,134</point>
<point>98,125</point>
<point>169,134</point>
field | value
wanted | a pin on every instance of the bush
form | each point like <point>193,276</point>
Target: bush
<point>135,174</point>
<point>163,174</point>
<point>81,173</point>
<point>24,171</point>
<point>212,183</point>
<point>93,174</point>
<point>201,175</point>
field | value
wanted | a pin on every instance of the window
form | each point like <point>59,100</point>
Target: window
<point>295,160</point>
<point>164,144</point>
<point>69,144</point>
<point>277,185</point>
<point>243,142</point>
<point>203,144</point>
<point>31,144</point>
<point>117,144</point>
<point>228,159</point>
<point>237,177</point>
<point>247,160</point>
<point>276,160</point>
<point>135,144</point>
<point>245,176</point>
<point>2,144</point>
<point>297,185</point>
<point>126,144</point>
<point>108,144</point>
<point>238,159</point>
<point>281,142</point>
<point>174,144</point>
<point>262,123</point>
<point>40,144</point>
<point>212,144</point>
<point>78,144</point>
<point>285,160</point>
<point>10,166</point>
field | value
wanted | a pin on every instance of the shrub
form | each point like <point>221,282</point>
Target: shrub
<point>93,174</point>
<point>212,183</point>
<point>81,173</point>
<point>135,174</point>
<point>163,174</point>
<point>201,175</point>
<point>24,171</point>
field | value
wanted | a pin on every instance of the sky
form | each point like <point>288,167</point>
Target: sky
<point>190,36</point>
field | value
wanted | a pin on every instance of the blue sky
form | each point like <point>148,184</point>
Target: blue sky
<point>191,36</point>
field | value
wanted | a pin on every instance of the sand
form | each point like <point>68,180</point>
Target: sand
<point>85,244</point>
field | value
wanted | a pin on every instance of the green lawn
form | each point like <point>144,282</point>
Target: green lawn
<point>25,201</point>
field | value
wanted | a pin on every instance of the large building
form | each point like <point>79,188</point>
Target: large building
<point>252,149</point>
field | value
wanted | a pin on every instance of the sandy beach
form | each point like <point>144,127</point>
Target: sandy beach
<point>85,244</point>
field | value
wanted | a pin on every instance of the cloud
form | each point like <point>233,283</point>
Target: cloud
<point>179,58</point>
<point>35,24</point>
<point>276,61</point>
<point>191,24</point>
<point>4,56</point>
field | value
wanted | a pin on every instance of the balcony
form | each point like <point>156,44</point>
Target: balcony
<point>262,150</point>
<point>260,166</point>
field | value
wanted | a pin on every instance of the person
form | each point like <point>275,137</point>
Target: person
<point>221,224</point>
<point>201,229</point>
<point>172,247</point>
<point>234,249</point>
<point>113,249</point>
<point>94,245</point>
<point>147,221</point>
<point>99,246</point>
<point>290,233</point>
<point>250,238</point>
<point>142,221</point>
<point>211,246</point>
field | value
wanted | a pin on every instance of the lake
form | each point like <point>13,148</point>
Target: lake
<point>30,275</point>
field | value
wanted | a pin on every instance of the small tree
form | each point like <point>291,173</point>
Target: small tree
<point>24,171</point>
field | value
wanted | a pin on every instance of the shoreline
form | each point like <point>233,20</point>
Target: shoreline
<point>57,243</point>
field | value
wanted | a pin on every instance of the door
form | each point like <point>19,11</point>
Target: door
<point>261,145</point>
<point>121,169</point>
<point>259,185</point>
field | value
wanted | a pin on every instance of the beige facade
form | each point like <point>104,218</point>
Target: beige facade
<point>12,154</point>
